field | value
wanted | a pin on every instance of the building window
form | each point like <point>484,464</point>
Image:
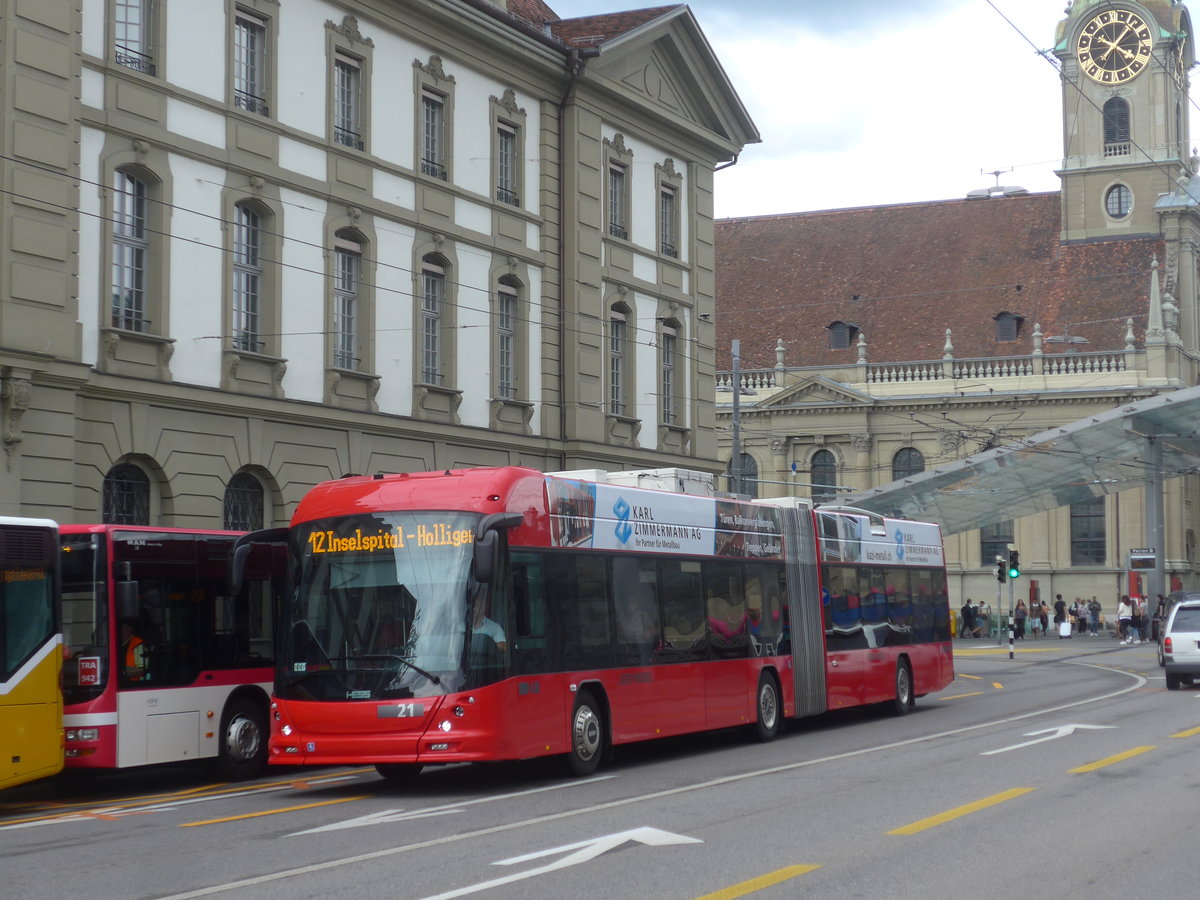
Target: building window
<point>244,503</point>
<point>506,164</point>
<point>131,247</point>
<point>907,462</point>
<point>824,477</point>
<point>347,101</point>
<point>1088,535</point>
<point>250,63</point>
<point>668,358</point>
<point>668,221</point>
<point>247,279</point>
<point>1008,326</point>
<point>1118,201</point>
<point>433,135</point>
<point>433,307</point>
<point>994,541</point>
<point>126,496</point>
<point>747,482</point>
<point>617,367</point>
<point>133,35</point>
<point>617,209</point>
<point>506,340</point>
<point>347,282</point>
<point>1116,127</point>
<point>841,335</point>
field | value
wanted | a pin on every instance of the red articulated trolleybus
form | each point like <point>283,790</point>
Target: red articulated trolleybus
<point>503,614</point>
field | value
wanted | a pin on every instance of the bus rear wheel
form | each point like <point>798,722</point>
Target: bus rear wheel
<point>587,735</point>
<point>904,700</point>
<point>243,741</point>
<point>399,772</point>
<point>766,726</point>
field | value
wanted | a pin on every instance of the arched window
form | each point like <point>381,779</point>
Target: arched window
<point>244,507</point>
<point>824,477</point>
<point>747,484</point>
<point>907,461</point>
<point>1116,127</point>
<point>126,496</point>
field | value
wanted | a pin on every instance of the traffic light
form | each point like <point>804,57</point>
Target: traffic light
<point>1001,570</point>
<point>1014,564</point>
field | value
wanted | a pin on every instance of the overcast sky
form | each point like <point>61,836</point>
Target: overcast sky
<point>880,101</point>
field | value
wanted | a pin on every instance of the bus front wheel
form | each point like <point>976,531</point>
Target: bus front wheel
<point>243,741</point>
<point>587,735</point>
<point>766,727</point>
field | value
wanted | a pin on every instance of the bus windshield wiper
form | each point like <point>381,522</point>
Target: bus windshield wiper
<point>406,660</point>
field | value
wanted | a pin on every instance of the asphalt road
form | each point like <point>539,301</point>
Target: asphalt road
<point>1065,772</point>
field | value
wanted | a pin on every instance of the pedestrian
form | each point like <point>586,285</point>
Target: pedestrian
<point>1160,615</point>
<point>1044,617</point>
<point>1124,617</point>
<point>1020,614</point>
<point>1060,617</point>
<point>1081,615</point>
<point>1135,622</point>
<point>1093,609</point>
<point>970,626</point>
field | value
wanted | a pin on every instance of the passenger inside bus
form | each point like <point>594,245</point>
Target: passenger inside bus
<point>133,651</point>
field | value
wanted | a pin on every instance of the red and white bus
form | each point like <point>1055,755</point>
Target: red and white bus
<point>501,614</point>
<point>164,662</point>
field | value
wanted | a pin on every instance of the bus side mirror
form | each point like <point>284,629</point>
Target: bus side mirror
<point>127,600</point>
<point>487,556</point>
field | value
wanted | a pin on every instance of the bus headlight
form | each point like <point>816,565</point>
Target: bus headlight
<point>83,734</point>
<point>446,726</point>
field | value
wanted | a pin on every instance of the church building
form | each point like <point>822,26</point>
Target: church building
<point>879,342</point>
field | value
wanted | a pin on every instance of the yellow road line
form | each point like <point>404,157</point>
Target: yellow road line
<point>1108,761</point>
<point>960,696</point>
<point>960,811</point>
<point>270,812</point>
<point>757,884</point>
<point>997,685</point>
<point>1191,732</point>
<point>972,677</point>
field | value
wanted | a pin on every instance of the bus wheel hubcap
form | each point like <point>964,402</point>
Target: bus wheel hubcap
<point>587,733</point>
<point>242,738</point>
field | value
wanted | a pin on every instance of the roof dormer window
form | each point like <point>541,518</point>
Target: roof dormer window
<point>841,335</point>
<point>1008,326</point>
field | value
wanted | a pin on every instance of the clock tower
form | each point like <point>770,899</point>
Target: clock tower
<point>1125,113</point>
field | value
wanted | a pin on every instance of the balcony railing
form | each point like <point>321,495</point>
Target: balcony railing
<point>433,168</point>
<point>134,59</point>
<point>506,196</point>
<point>1117,148</point>
<point>347,138</point>
<point>250,103</point>
<point>618,230</point>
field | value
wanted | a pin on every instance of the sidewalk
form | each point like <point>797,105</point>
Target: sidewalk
<point>1079,643</point>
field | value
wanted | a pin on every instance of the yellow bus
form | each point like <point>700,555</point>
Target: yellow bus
<point>31,730</point>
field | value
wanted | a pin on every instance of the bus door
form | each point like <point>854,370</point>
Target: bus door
<point>845,638</point>
<point>729,695</point>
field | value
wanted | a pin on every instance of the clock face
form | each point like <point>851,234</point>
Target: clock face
<point>1114,46</point>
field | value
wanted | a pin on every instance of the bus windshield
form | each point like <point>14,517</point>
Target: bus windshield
<point>85,617</point>
<point>380,607</point>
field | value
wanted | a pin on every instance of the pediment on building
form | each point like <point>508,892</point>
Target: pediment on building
<point>669,64</point>
<point>815,390</point>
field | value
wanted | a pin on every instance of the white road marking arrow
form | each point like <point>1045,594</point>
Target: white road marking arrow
<point>1051,734</point>
<point>576,854</point>
<point>379,818</point>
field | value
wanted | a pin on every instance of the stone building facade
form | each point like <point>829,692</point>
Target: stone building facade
<point>250,245</point>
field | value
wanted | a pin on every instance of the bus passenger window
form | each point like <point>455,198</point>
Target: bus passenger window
<point>635,591</point>
<point>726,610</point>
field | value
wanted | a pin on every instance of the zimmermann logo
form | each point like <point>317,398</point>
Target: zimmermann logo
<point>899,544</point>
<point>624,530</point>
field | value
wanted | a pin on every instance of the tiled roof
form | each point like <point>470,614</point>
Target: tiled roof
<point>534,11</point>
<point>916,270</point>
<point>590,31</point>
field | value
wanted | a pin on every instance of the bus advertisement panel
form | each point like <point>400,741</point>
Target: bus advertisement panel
<point>484,614</point>
<point>164,662</point>
<point>30,651</point>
